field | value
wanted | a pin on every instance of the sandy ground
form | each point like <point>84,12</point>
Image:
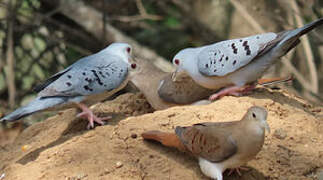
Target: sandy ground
<point>62,148</point>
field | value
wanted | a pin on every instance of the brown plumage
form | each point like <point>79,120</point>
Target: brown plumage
<point>219,145</point>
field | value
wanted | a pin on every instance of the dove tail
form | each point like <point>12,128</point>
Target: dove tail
<point>35,105</point>
<point>291,38</point>
<point>167,139</point>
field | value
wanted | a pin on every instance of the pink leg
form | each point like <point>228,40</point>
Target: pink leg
<point>233,90</point>
<point>238,170</point>
<point>88,114</point>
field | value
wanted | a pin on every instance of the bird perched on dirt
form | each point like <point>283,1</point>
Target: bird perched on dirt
<point>87,81</point>
<point>219,145</point>
<point>233,65</point>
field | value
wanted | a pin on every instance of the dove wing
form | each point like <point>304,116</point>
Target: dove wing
<point>90,75</point>
<point>212,142</point>
<point>228,56</point>
<point>182,91</point>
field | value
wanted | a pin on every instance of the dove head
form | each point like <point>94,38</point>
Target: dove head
<point>259,116</point>
<point>122,50</point>
<point>184,60</point>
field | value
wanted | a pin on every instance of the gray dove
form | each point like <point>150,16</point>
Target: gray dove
<point>219,145</point>
<point>234,65</point>
<point>89,80</point>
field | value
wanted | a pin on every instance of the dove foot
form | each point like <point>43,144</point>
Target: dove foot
<point>233,91</point>
<point>238,169</point>
<point>90,116</point>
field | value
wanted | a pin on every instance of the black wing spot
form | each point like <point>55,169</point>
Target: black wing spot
<point>69,76</point>
<point>86,87</point>
<point>240,40</point>
<point>257,37</point>
<point>221,58</point>
<point>207,65</point>
<point>69,84</point>
<point>88,80</point>
<point>83,73</point>
<point>222,65</point>
<point>227,58</point>
<point>234,62</point>
<point>214,54</point>
<point>246,48</point>
<point>214,70</point>
<point>235,50</point>
<point>97,77</point>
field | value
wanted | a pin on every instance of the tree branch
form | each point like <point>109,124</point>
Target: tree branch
<point>10,73</point>
<point>91,20</point>
<point>286,59</point>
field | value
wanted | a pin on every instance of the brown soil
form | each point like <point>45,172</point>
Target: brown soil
<point>62,148</point>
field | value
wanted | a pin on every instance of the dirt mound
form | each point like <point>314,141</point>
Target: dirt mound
<point>62,148</point>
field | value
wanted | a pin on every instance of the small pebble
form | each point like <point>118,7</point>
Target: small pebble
<point>133,135</point>
<point>119,164</point>
<point>25,148</point>
<point>280,134</point>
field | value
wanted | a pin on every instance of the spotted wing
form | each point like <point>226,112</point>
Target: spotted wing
<point>91,75</point>
<point>212,142</point>
<point>228,56</point>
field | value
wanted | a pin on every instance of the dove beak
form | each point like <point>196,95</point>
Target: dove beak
<point>175,74</point>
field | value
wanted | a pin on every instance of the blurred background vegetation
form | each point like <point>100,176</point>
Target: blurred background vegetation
<point>41,37</point>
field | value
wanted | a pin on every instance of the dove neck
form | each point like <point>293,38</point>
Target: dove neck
<point>190,64</point>
<point>253,127</point>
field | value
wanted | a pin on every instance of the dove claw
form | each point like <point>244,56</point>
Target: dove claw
<point>238,170</point>
<point>233,91</point>
<point>88,114</point>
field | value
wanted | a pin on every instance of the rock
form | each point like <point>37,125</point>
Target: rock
<point>134,136</point>
<point>280,133</point>
<point>119,164</point>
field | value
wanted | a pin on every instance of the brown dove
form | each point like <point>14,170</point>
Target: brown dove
<point>149,79</point>
<point>219,145</point>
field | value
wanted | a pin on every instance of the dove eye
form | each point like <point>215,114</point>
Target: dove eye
<point>128,50</point>
<point>176,61</point>
<point>133,66</point>
<point>253,115</point>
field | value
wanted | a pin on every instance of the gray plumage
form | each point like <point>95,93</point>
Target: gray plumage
<point>89,80</point>
<point>238,61</point>
<point>225,57</point>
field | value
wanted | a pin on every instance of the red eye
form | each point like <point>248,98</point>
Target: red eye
<point>176,61</point>
<point>128,49</point>
<point>133,66</point>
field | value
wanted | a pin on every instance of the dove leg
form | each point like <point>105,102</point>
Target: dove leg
<point>90,116</point>
<point>233,90</point>
<point>238,169</point>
